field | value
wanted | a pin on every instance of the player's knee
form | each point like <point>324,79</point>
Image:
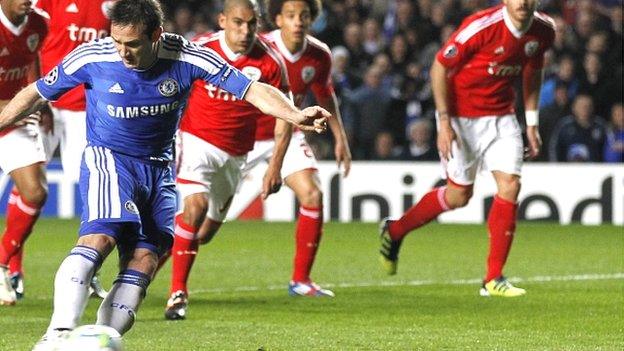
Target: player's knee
<point>311,197</point>
<point>509,188</point>
<point>103,243</point>
<point>459,198</point>
<point>208,231</point>
<point>195,210</point>
<point>143,260</point>
<point>35,194</point>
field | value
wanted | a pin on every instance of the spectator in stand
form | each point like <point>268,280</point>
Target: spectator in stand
<point>368,107</point>
<point>400,17</point>
<point>382,61</point>
<point>373,41</point>
<point>599,84</point>
<point>584,27</point>
<point>565,73</point>
<point>385,148</point>
<point>615,35</point>
<point>398,52</point>
<point>564,38</point>
<point>579,137</point>
<point>352,39</point>
<point>183,22</point>
<point>344,83</point>
<point>420,147</point>
<point>614,146</point>
<point>552,114</point>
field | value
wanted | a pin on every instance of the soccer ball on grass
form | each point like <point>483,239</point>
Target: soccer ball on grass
<point>93,338</point>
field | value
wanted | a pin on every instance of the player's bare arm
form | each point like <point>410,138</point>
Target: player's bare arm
<point>45,118</point>
<point>25,103</point>
<point>439,85</point>
<point>272,181</point>
<point>532,83</point>
<point>342,152</point>
<point>271,101</point>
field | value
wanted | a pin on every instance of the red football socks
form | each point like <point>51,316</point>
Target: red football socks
<point>21,217</point>
<point>428,208</point>
<point>183,254</point>
<point>308,236</point>
<point>501,227</point>
<point>15,262</point>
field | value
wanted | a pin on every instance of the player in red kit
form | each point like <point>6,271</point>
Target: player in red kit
<point>308,62</point>
<point>21,34</point>
<point>216,133</point>
<point>472,80</point>
<point>70,23</point>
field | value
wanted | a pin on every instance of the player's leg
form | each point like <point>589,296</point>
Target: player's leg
<point>461,171</point>
<point>70,135</point>
<point>28,196</point>
<point>504,159</point>
<point>301,175</point>
<point>109,186</point>
<point>25,202</point>
<point>185,248</point>
<point>197,163</point>
<point>222,182</point>
<point>118,310</point>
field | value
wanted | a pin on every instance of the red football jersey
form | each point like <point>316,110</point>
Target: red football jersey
<point>71,23</point>
<point>18,51</point>
<point>215,115</point>
<point>307,69</point>
<point>486,54</point>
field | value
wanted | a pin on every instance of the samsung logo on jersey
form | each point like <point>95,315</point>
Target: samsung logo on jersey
<point>141,111</point>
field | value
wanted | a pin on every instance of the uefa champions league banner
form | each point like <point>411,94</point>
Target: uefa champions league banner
<point>564,193</point>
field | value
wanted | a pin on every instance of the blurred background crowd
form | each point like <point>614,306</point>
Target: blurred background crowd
<point>383,49</point>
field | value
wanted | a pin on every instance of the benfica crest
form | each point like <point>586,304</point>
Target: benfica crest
<point>307,74</point>
<point>530,48</point>
<point>32,42</point>
<point>252,73</point>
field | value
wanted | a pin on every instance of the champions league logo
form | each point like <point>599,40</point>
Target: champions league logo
<point>450,51</point>
<point>530,48</point>
<point>32,41</point>
<point>307,73</point>
<point>168,87</point>
<point>131,207</point>
<point>51,77</point>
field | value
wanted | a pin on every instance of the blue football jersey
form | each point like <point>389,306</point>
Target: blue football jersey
<point>136,112</point>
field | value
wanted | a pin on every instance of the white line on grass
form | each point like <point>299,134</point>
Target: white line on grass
<point>536,279</point>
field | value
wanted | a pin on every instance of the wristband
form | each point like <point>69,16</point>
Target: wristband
<point>532,118</point>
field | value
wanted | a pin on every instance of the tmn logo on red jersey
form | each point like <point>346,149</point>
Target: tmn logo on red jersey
<point>85,34</point>
<point>12,74</point>
<point>503,70</point>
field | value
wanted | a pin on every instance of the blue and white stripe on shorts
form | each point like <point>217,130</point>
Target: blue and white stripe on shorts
<point>103,197</point>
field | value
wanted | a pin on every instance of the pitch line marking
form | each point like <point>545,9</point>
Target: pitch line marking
<point>535,279</point>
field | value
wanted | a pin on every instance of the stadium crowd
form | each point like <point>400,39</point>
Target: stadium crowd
<point>383,50</point>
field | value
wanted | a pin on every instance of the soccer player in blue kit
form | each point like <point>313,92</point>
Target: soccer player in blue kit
<point>136,81</point>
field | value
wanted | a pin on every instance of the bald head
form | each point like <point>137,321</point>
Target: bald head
<point>228,5</point>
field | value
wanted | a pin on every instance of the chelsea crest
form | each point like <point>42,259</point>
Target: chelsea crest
<point>168,87</point>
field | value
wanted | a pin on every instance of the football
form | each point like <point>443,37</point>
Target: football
<point>93,338</point>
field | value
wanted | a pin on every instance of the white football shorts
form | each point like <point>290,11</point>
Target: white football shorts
<point>492,143</point>
<point>70,134</point>
<point>204,168</point>
<point>299,155</point>
<point>21,147</point>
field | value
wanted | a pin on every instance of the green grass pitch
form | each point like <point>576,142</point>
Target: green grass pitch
<point>574,276</point>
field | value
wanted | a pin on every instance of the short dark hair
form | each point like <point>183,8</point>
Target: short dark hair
<point>274,8</point>
<point>137,12</point>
